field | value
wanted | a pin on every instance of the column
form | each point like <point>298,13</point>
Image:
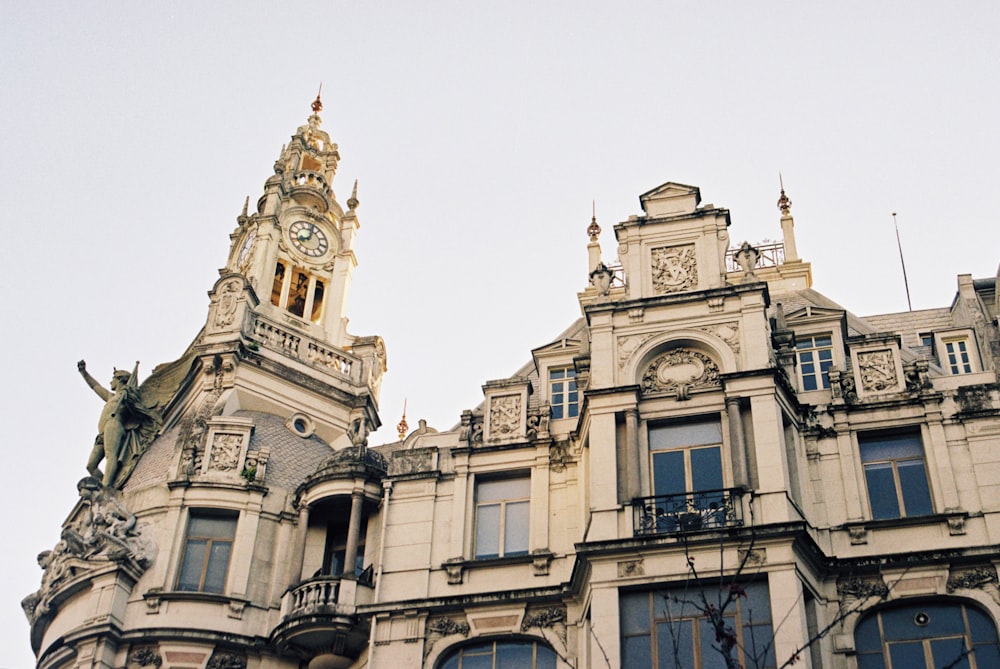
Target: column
<point>353,533</point>
<point>298,548</point>
<point>737,443</point>
<point>633,458</point>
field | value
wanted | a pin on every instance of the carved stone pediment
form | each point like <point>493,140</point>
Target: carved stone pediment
<point>679,372</point>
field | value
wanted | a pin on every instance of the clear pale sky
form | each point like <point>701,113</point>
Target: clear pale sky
<point>480,134</point>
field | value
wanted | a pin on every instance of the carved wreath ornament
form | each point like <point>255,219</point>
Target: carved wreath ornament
<point>680,371</point>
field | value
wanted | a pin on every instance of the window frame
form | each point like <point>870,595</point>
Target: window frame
<point>210,542</point>
<point>821,376</point>
<point>686,451</point>
<point>888,439</point>
<point>504,506</point>
<point>967,337</point>
<point>568,407</point>
<point>875,637</point>
<point>453,657</point>
<point>741,616</point>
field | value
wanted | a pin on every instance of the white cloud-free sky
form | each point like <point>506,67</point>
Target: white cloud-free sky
<point>480,134</point>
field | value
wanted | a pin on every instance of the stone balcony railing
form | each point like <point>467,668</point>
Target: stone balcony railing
<point>316,595</point>
<point>688,512</point>
<point>305,349</point>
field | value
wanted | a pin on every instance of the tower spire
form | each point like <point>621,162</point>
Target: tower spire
<point>317,104</point>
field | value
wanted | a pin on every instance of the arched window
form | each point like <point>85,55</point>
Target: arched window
<point>927,635</point>
<point>500,655</point>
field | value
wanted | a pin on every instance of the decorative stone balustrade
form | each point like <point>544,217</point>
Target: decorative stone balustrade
<point>314,596</point>
<point>307,178</point>
<point>313,353</point>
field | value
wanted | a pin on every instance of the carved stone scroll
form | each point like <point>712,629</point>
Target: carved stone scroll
<point>680,371</point>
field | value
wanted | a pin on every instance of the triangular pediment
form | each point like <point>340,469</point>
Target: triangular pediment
<point>670,198</point>
<point>812,312</point>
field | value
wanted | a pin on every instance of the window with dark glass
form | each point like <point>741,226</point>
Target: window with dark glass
<point>563,394</point>
<point>895,474</point>
<point>513,654</point>
<point>927,635</point>
<point>815,358</point>
<point>502,517</point>
<point>687,456</point>
<point>668,628</point>
<point>208,547</point>
<point>957,351</point>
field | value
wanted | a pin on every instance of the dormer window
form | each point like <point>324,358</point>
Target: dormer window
<point>815,358</point>
<point>563,394</point>
<point>957,352</point>
<point>298,291</point>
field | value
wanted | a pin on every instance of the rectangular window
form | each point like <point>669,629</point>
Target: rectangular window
<point>895,474</point>
<point>502,517</point>
<point>207,549</point>
<point>957,351</point>
<point>563,395</point>
<point>687,457</point>
<point>815,357</point>
<point>663,629</point>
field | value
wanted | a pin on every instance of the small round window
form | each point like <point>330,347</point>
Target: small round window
<point>301,424</point>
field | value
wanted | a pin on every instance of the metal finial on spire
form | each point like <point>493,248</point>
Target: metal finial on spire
<point>317,105</point>
<point>593,230</point>
<point>352,202</point>
<point>784,204</point>
<point>402,428</point>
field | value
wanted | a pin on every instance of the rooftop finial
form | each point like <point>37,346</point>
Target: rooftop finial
<point>784,204</point>
<point>317,105</point>
<point>402,428</point>
<point>593,230</point>
<point>352,202</point>
<point>243,217</point>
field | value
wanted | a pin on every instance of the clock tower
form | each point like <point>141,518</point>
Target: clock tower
<point>282,296</point>
<point>297,249</point>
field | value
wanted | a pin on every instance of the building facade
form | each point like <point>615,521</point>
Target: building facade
<point>716,466</point>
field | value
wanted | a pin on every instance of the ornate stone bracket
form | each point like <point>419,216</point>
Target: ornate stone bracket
<point>553,618</point>
<point>454,567</point>
<point>540,560</point>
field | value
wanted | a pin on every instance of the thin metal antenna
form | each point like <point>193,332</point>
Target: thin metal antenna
<point>906,283</point>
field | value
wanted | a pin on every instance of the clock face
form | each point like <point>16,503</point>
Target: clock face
<point>244,258</point>
<point>308,238</point>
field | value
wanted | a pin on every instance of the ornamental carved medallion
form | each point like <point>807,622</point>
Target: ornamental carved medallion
<point>878,371</point>
<point>226,449</point>
<point>674,268</point>
<point>680,371</point>
<point>505,416</point>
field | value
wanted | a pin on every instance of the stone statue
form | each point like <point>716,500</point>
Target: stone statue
<point>103,529</point>
<point>126,425</point>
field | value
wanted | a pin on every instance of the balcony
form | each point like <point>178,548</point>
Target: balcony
<point>318,618</point>
<point>688,512</point>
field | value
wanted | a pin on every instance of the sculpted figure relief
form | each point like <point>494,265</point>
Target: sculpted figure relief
<point>102,530</point>
<point>126,424</point>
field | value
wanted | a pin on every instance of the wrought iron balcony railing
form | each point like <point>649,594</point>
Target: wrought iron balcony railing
<point>688,512</point>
